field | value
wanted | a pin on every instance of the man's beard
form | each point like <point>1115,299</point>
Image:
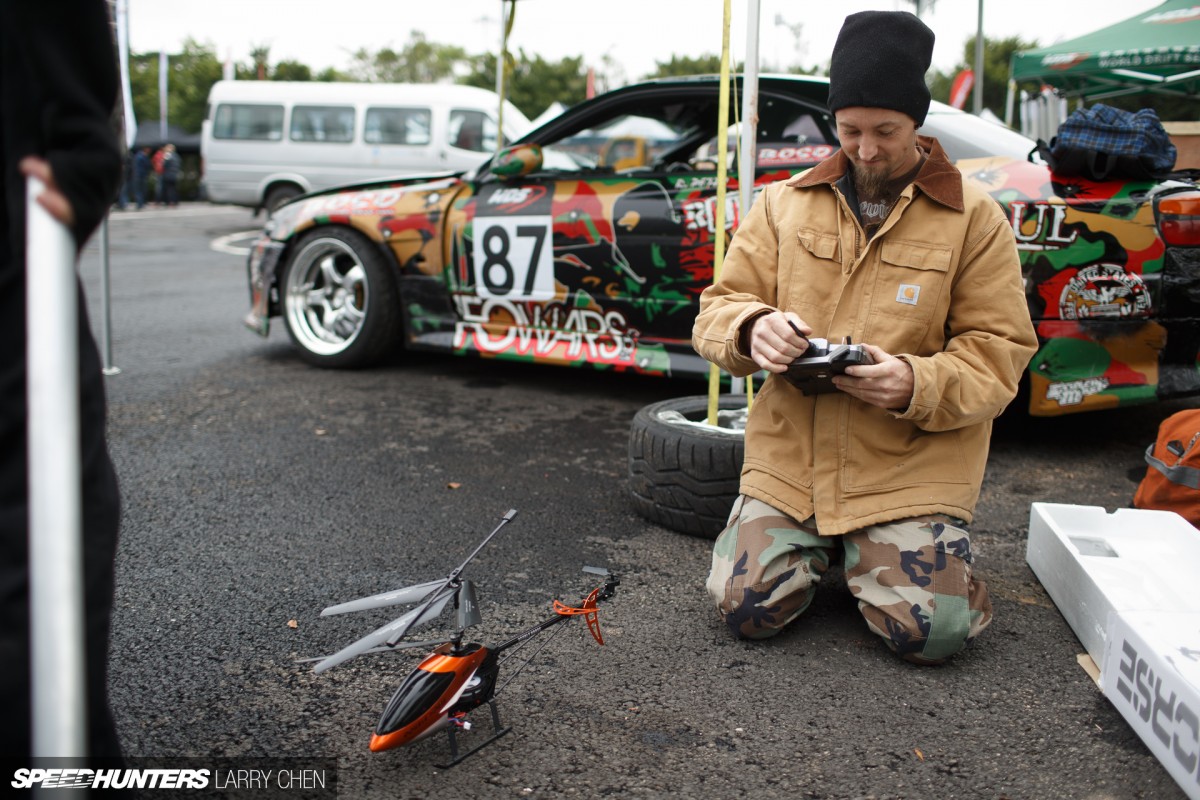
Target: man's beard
<point>869,183</point>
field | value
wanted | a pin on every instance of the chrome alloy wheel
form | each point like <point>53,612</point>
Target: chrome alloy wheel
<point>325,296</point>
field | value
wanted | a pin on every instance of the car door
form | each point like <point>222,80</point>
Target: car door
<point>586,262</point>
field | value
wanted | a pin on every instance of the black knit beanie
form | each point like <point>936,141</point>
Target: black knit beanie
<point>879,61</point>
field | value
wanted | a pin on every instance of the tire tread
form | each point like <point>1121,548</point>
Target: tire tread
<point>681,477</point>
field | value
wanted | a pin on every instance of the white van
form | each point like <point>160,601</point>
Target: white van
<point>265,142</point>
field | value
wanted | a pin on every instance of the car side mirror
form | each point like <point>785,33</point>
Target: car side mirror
<point>517,161</point>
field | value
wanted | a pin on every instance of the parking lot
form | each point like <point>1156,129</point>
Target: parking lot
<point>258,490</point>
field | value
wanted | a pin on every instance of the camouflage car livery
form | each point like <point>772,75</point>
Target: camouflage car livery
<point>554,257</point>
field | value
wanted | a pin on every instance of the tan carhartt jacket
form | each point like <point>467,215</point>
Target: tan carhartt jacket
<point>939,285</point>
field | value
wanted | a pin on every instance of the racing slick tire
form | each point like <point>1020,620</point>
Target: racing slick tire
<point>338,300</point>
<point>683,475</point>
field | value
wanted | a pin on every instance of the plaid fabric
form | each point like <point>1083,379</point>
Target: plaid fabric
<point>1105,129</point>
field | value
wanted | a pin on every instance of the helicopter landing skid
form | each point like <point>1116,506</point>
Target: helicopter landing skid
<point>456,757</point>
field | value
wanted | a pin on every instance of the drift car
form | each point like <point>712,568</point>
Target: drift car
<point>589,241</point>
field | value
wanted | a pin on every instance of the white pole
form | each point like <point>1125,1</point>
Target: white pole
<point>106,300</point>
<point>123,58</point>
<point>748,156</point>
<point>122,24</point>
<point>500,75</point>
<point>55,477</point>
<point>979,63</point>
<point>748,153</point>
<point>164,66</point>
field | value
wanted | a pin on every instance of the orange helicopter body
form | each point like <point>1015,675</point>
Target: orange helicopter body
<point>455,677</point>
<point>438,688</point>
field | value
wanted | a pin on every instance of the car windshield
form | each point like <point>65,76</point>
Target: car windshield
<point>672,130</point>
<point>626,140</point>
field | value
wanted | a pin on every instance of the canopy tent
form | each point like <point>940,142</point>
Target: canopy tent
<point>1156,51</point>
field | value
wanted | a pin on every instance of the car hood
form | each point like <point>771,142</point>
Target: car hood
<point>368,198</point>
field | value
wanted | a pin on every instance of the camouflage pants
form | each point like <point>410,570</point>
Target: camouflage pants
<point>912,578</point>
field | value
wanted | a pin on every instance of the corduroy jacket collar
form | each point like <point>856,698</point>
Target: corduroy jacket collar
<point>938,179</point>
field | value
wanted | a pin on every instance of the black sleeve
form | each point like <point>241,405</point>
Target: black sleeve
<point>70,92</point>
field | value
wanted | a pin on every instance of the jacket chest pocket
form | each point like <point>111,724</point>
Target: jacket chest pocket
<point>910,280</point>
<point>814,279</point>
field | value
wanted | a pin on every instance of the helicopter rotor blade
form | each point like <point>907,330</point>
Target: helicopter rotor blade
<point>453,583</point>
<point>430,643</point>
<point>468,606</point>
<point>512,512</point>
<point>430,607</point>
<point>409,594</point>
<point>602,571</point>
<point>391,632</point>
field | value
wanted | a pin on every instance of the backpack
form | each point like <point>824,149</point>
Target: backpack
<point>1172,481</point>
<point>1105,143</point>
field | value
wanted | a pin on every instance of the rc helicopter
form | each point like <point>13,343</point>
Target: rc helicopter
<point>456,677</point>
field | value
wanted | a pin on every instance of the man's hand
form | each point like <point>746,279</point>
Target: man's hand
<point>51,199</point>
<point>777,339</point>
<point>887,383</point>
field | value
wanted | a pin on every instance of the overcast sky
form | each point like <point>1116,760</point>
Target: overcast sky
<point>632,33</point>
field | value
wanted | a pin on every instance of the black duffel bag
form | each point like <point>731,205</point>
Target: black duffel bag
<point>1105,143</point>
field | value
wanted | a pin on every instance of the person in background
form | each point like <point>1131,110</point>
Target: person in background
<point>58,88</point>
<point>171,164</point>
<point>126,181</point>
<point>157,162</point>
<point>885,243</point>
<point>141,176</point>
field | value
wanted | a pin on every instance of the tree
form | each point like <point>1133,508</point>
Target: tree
<point>419,61</point>
<point>192,74</point>
<point>291,71</point>
<point>533,83</point>
<point>331,75</point>
<point>678,66</point>
<point>688,65</point>
<point>997,55</point>
<point>261,56</point>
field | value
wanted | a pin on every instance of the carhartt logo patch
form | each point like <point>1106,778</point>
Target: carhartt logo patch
<point>908,293</point>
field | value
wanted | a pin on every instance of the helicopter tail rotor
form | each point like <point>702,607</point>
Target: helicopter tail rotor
<point>588,609</point>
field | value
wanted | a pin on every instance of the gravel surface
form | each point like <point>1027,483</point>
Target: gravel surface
<point>258,490</point>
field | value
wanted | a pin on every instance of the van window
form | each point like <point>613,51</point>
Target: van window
<point>242,121</point>
<point>322,124</point>
<point>471,130</point>
<point>397,126</point>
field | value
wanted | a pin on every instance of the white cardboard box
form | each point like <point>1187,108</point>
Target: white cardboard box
<point>1093,563</point>
<point>1128,584</point>
<point>1151,673</point>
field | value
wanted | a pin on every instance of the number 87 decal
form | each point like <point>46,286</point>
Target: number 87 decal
<point>514,258</point>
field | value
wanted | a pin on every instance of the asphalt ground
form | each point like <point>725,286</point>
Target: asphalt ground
<point>258,490</point>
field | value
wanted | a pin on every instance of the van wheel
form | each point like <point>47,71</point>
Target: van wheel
<point>683,474</point>
<point>278,195</point>
<point>339,300</point>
